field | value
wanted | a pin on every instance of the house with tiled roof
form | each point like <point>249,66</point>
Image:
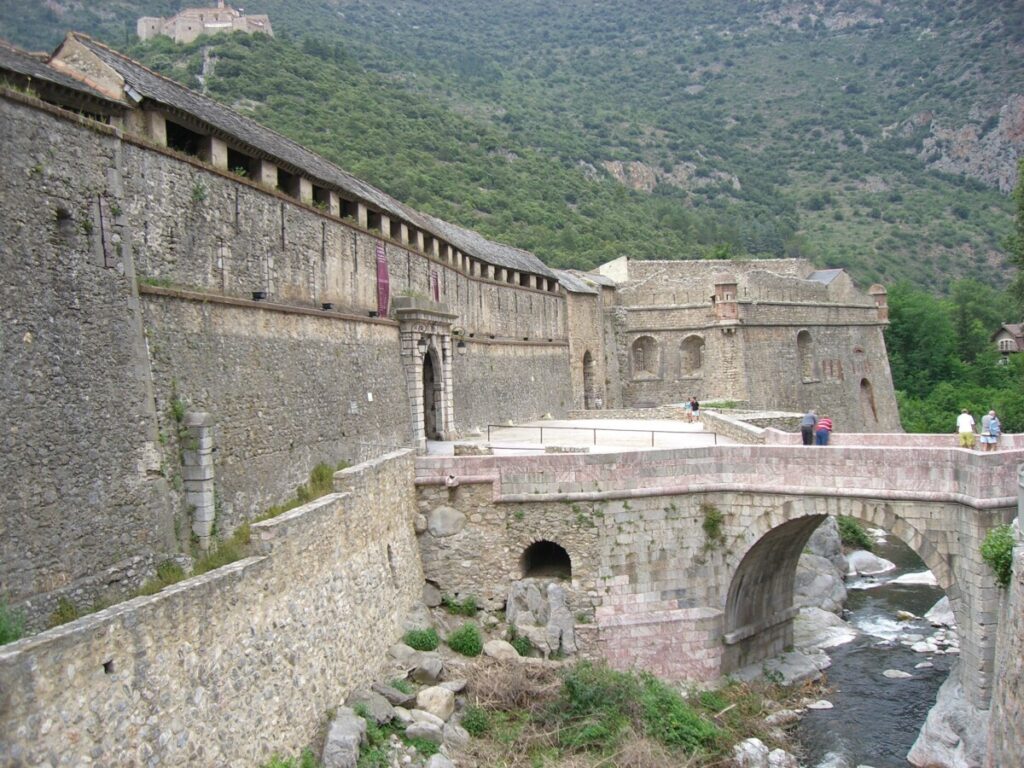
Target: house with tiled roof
<point>1009,339</point>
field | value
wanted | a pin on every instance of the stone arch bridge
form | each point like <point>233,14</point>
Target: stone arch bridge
<point>683,561</point>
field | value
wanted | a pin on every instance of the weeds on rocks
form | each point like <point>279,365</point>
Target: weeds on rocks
<point>422,639</point>
<point>466,640</point>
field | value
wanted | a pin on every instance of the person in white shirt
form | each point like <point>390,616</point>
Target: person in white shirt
<point>965,427</point>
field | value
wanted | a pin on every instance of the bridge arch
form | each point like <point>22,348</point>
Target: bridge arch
<point>758,611</point>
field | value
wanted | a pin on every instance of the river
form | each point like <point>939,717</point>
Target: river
<point>875,719</point>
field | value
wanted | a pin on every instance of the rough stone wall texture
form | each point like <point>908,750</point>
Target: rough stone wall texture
<point>1006,724</point>
<point>285,392</point>
<point>85,505</point>
<point>586,337</point>
<point>655,567</point>
<point>495,383</point>
<point>91,370</point>
<point>755,358</point>
<point>227,668</point>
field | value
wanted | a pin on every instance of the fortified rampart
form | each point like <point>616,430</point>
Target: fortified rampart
<point>227,668</point>
<point>773,335</point>
<point>133,269</point>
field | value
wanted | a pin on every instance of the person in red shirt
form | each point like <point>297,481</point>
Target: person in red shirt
<point>822,431</point>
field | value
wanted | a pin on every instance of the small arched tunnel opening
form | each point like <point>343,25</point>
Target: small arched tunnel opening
<point>545,559</point>
<point>759,608</point>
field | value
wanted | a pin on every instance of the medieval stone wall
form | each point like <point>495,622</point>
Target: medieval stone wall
<point>79,451</point>
<point>587,367</point>
<point>227,668</point>
<point>1006,723</point>
<point>131,271</point>
<point>777,340</point>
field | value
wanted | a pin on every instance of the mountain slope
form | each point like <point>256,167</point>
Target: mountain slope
<point>589,129</point>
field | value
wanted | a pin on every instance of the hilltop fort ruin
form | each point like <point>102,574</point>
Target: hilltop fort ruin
<point>189,23</point>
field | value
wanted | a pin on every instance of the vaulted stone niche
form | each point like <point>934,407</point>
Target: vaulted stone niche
<point>545,559</point>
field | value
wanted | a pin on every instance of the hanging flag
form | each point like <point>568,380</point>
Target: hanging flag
<point>435,286</point>
<point>383,281</point>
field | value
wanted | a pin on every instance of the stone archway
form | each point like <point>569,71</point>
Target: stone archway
<point>758,611</point>
<point>431,390</point>
<point>426,347</point>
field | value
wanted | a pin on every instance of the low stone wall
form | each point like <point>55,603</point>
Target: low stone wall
<point>227,668</point>
<point>660,412</point>
<point>1006,723</point>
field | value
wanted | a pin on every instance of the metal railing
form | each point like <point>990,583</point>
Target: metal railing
<point>595,430</point>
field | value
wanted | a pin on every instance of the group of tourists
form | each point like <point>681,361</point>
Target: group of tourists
<point>692,408</point>
<point>988,434</point>
<point>814,430</point>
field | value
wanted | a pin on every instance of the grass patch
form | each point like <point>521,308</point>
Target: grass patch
<point>467,607</point>
<point>402,685</point>
<point>422,639</point>
<point>64,612</point>
<point>522,644</point>
<point>320,483</point>
<point>852,534</point>
<point>12,624</point>
<point>997,551</point>
<point>167,573</point>
<point>306,760</point>
<point>466,640</point>
<point>591,715</point>
<point>225,552</point>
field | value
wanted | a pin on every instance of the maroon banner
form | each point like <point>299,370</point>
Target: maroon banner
<point>383,281</point>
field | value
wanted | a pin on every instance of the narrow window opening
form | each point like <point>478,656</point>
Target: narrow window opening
<point>241,164</point>
<point>181,139</point>
<point>108,667</point>
<point>348,209</point>
<point>321,197</point>
<point>373,219</point>
<point>288,183</point>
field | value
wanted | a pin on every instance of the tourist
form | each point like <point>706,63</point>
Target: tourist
<point>694,409</point>
<point>995,429</point>
<point>983,436</point>
<point>965,427</point>
<point>689,410</point>
<point>807,425</point>
<point>822,431</point>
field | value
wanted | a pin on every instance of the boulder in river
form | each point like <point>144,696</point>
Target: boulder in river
<point>863,563</point>
<point>953,736</point>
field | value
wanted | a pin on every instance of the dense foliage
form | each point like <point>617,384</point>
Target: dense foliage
<point>755,127</point>
<point>997,551</point>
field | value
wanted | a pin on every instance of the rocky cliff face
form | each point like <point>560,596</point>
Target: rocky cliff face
<point>986,150</point>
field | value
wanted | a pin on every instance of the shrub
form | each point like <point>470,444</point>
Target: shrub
<point>852,534</point>
<point>466,640</point>
<point>712,525</point>
<point>522,644</point>
<point>64,612</point>
<point>997,551</point>
<point>669,719</point>
<point>422,639</point>
<point>476,721</point>
<point>467,607</point>
<point>12,624</point>
<point>167,573</point>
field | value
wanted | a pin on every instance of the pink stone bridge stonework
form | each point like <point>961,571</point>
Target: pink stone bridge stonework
<point>657,583</point>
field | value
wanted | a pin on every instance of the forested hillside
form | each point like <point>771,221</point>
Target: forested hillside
<point>876,136</point>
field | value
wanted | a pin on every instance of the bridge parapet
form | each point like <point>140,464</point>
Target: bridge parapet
<point>927,474</point>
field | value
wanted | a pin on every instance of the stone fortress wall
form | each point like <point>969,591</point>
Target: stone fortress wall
<point>778,335</point>
<point>227,668</point>
<point>129,298</point>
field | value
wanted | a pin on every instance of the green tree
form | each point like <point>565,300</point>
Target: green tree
<point>1015,242</point>
<point>920,340</point>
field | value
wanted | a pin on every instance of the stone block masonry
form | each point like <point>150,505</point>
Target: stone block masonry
<point>129,276</point>
<point>651,577</point>
<point>227,668</point>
